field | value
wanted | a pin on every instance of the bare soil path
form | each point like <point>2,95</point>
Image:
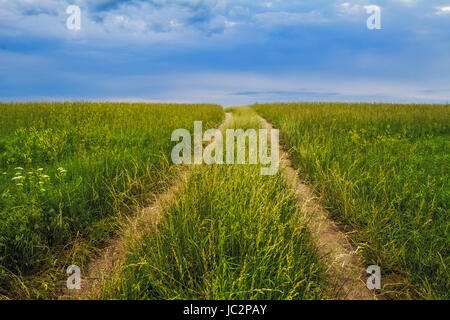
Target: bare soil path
<point>347,273</point>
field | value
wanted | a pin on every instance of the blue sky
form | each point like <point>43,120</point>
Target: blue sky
<point>229,52</point>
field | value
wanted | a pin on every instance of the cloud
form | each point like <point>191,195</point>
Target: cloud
<point>233,51</point>
<point>247,88</point>
<point>108,19</point>
<point>276,19</point>
<point>183,21</point>
<point>148,21</point>
<point>348,8</point>
<point>443,10</point>
<point>408,2</point>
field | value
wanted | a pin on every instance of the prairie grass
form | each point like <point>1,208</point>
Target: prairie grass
<point>230,234</point>
<point>383,170</point>
<point>68,171</point>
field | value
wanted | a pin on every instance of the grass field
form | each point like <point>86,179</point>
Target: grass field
<point>68,171</point>
<point>73,175</point>
<point>231,234</point>
<point>384,171</point>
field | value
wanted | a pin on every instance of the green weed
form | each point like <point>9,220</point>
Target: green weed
<point>384,170</point>
<point>69,170</point>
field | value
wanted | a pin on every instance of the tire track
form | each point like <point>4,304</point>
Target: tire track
<point>346,271</point>
<point>112,256</point>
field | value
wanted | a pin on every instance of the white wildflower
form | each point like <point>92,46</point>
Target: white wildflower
<point>40,169</point>
<point>17,178</point>
<point>42,190</point>
<point>45,176</point>
<point>19,168</point>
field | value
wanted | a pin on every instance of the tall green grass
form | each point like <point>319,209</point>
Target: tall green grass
<point>68,170</point>
<point>230,234</point>
<point>384,170</point>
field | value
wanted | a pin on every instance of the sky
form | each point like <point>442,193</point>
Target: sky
<point>230,52</point>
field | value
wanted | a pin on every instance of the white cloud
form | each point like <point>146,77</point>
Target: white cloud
<point>408,2</point>
<point>151,21</point>
<point>442,10</point>
<point>148,22</point>
<point>348,8</point>
<point>273,19</point>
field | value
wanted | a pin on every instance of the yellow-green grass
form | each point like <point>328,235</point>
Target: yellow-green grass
<point>230,234</point>
<point>68,170</point>
<point>384,170</point>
